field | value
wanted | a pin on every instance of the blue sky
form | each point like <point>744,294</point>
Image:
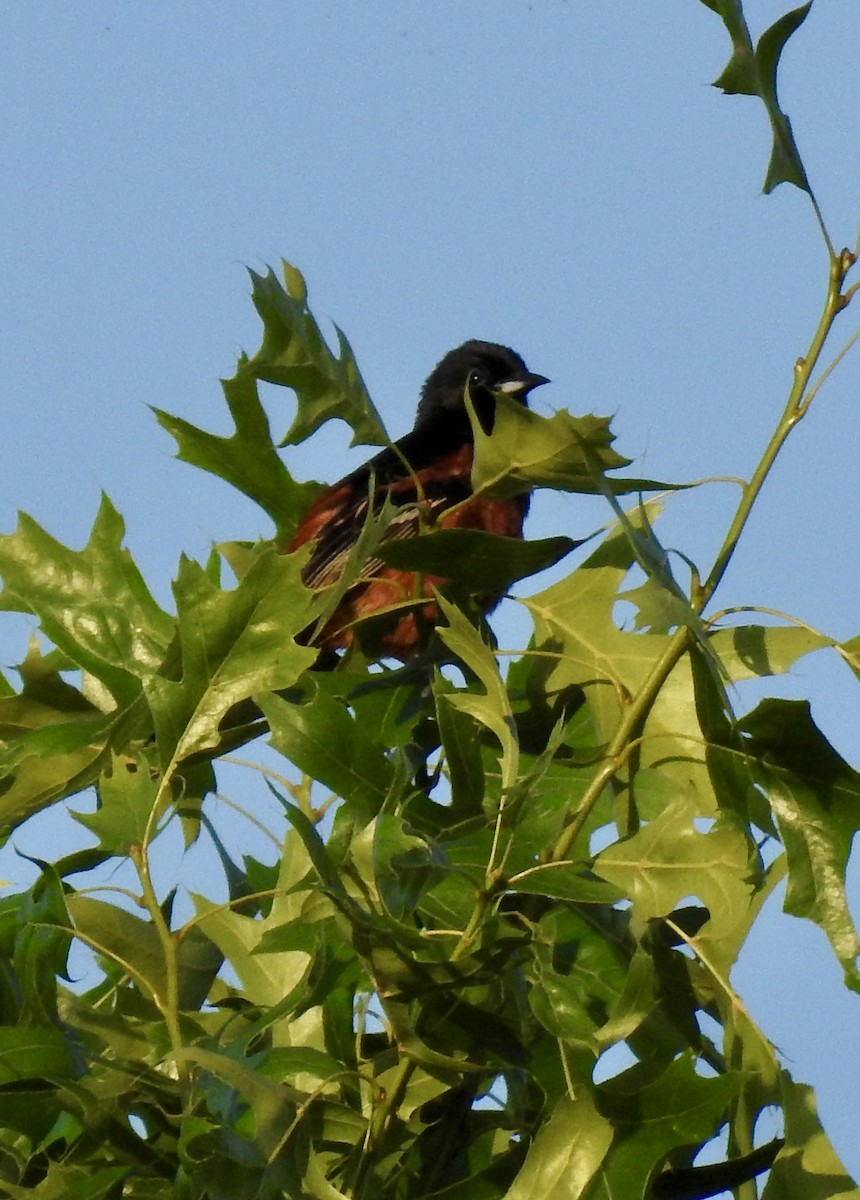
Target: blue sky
<point>553,175</point>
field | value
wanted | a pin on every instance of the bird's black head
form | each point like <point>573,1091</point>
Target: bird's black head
<point>486,368</point>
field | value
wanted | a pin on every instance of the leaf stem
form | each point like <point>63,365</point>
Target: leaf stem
<point>168,1004</point>
<point>796,408</point>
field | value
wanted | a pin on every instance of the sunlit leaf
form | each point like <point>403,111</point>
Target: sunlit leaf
<point>564,452</point>
<point>669,860</point>
<point>567,1152</point>
<point>48,764</point>
<point>266,977</point>
<point>752,651</point>
<point>127,794</point>
<point>91,603</point>
<point>231,645</point>
<point>579,644</point>
<point>247,459</point>
<point>808,1166</point>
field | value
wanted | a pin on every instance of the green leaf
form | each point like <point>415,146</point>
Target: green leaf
<point>752,651</point>
<point>850,652</point>
<point>481,562</point>
<point>294,354</point>
<point>27,1053</point>
<point>738,77</point>
<point>127,793</point>
<point>286,1062</point>
<point>815,796</point>
<point>46,697</point>
<point>135,946</point>
<point>53,738</point>
<point>753,73</point>
<point>680,1108</point>
<point>659,609</point>
<point>493,708</point>
<point>48,764</point>
<point>403,866</point>
<point>266,978</point>
<point>459,734</point>
<point>711,1179</point>
<point>92,603</point>
<point>807,1166</point>
<point>579,641</point>
<point>247,459</point>
<point>324,741</point>
<point>41,948</point>
<point>669,860</point>
<point>273,1104</point>
<point>578,977</point>
<point>70,1182</point>
<point>569,1149</point>
<point>563,452</point>
<point>566,881</point>
<point>231,645</point>
<point>785,164</point>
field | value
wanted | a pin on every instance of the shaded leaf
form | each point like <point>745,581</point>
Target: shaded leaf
<point>710,1179</point>
<point>464,761</point>
<point>273,1104</point>
<point>135,946</point>
<point>566,881</point>
<point>27,1053</point>
<point>480,562</point>
<point>578,979</point>
<point>815,797</point>
<point>41,948</point>
<point>493,708</point>
<point>327,743</point>
<point>680,1108</point>
<point>70,1182</point>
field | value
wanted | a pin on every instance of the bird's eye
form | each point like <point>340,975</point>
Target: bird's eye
<point>476,379</point>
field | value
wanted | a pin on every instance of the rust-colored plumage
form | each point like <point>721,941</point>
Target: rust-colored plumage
<point>426,475</point>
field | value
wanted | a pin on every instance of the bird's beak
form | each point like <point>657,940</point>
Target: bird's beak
<point>523,384</point>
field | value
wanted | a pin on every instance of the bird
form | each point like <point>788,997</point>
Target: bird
<point>426,476</point>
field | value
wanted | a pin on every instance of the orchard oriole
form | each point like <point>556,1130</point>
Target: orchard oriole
<point>426,475</point>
